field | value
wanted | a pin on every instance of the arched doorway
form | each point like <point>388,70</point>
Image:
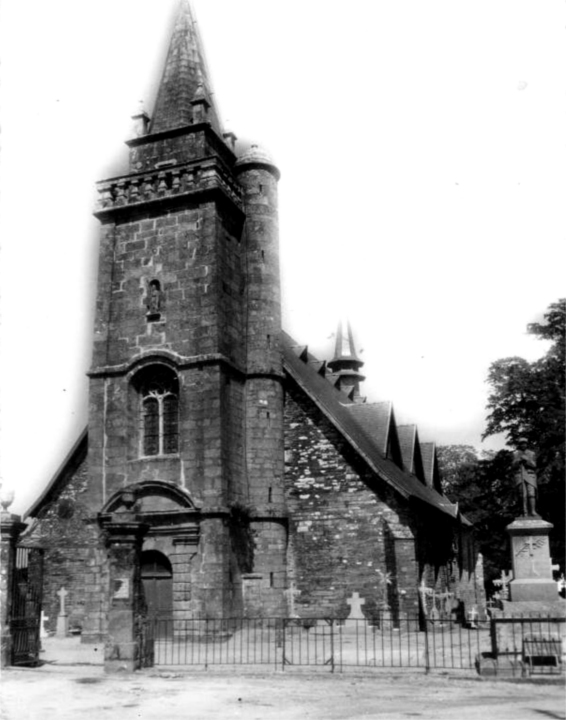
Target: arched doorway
<point>157,579</point>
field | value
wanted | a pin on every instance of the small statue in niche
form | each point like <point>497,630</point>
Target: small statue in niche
<point>154,300</point>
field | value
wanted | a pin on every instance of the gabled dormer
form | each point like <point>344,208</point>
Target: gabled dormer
<point>430,466</point>
<point>378,422</point>
<point>411,451</point>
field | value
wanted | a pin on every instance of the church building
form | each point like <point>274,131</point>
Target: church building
<point>269,486</point>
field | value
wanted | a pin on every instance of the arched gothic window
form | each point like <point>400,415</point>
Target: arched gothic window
<point>159,396</point>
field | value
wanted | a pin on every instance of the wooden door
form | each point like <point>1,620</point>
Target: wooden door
<point>157,578</point>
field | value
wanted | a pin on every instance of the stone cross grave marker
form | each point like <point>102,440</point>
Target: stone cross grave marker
<point>42,631</point>
<point>473,615</point>
<point>62,595</point>
<point>503,582</point>
<point>62,619</point>
<point>355,602</point>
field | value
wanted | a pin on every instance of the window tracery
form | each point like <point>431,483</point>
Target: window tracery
<point>159,394</point>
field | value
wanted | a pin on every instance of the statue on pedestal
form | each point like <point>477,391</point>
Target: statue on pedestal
<point>525,478</point>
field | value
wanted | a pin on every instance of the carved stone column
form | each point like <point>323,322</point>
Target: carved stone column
<point>126,647</point>
<point>10,526</point>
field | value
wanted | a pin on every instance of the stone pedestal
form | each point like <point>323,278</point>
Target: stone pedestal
<point>530,554</point>
<point>531,618</point>
<point>10,527</point>
<point>62,629</point>
<point>125,643</point>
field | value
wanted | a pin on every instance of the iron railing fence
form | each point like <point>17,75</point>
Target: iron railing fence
<point>539,642</point>
<point>331,643</point>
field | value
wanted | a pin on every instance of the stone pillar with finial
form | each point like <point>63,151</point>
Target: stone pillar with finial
<point>141,121</point>
<point>11,527</point>
<point>200,104</point>
<point>126,647</point>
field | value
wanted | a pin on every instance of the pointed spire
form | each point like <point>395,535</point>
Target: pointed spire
<point>184,94</point>
<point>345,349</point>
<point>346,364</point>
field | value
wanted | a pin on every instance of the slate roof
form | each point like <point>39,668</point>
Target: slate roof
<point>71,462</point>
<point>343,414</point>
<point>428,454</point>
<point>411,451</point>
<point>407,437</point>
<point>375,419</point>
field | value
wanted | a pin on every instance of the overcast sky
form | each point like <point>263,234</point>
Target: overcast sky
<point>422,153</point>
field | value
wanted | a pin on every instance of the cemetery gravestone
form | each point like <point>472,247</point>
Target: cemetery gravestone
<point>62,618</point>
<point>356,615</point>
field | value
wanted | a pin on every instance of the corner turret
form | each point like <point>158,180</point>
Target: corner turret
<point>258,176</point>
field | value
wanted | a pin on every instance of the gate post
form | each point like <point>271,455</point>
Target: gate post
<point>126,647</point>
<point>11,527</point>
<point>427,647</point>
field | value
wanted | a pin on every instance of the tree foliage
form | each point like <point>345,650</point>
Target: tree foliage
<point>454,463</point>
<point>483,487</point>
<point>527,399</point>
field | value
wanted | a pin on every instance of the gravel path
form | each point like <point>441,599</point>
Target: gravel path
<point>71,693</point>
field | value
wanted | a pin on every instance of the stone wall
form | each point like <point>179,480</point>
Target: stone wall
<point>74,558</point>
<point>206,572</point>
<point>345,536</point>
<point>196,256</point>
<point>264,590</point>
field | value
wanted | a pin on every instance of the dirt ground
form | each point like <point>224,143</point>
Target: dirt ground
<point>73,692</point>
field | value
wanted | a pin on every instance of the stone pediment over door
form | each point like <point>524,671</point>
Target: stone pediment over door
<point>168,509</point>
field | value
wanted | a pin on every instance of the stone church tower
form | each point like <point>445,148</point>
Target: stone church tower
<point>186,390</point>
<point>267,484</point>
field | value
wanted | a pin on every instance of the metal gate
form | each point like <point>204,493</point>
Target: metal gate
<point>25,622</point>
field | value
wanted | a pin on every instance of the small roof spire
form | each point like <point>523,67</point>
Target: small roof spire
<point>185,78</point>
<point>345,348</point>
<point>345,363</point>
